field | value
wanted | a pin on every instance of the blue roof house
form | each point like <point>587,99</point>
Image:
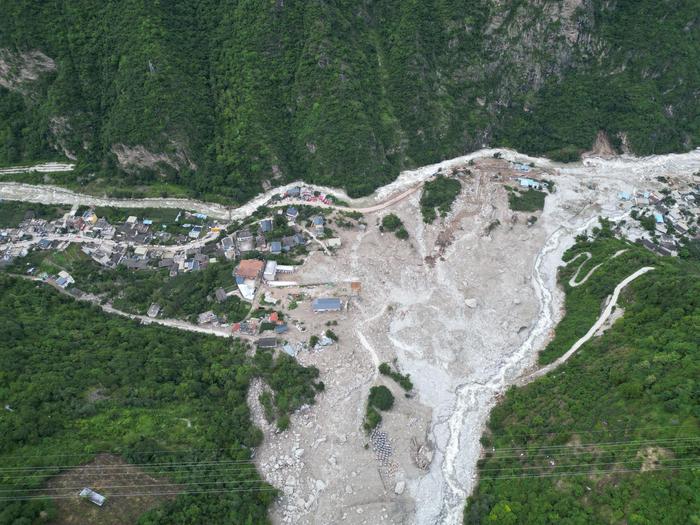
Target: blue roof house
<point>327,304</point>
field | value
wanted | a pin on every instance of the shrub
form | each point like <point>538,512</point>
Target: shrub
<point>381,398</point>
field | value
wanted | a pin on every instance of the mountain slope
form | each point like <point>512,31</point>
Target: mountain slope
<point>220,96</point>
<point>612,435</point>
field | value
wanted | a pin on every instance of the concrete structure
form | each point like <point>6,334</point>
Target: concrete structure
<point>270,271</point>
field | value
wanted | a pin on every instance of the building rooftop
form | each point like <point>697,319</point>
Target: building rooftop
<point>327,304</point>
<point>250,268</point>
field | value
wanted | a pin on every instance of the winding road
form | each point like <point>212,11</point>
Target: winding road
<point>607,312</point>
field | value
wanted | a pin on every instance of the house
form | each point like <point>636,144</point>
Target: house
<point>292,213</point>
<point>266,225</point>
<point>141,251</point>
<point>327,304</point>
<point>131,220</point>
<point>289,350</point>
<point>220,295</point>
<point>90,217</point>
<point>195,232</point>
<point>318,222</point>
<point>135,264</point>
<point>92,496</point>
<point>624,196</point>
<point>250,269</point>
<point>275,247</point>
<point>44,244</point>
<point>228,247</point>
<point>281,328</point>
<point>270,271</point>
<point>153,310</point>
<point>245,240</point>
<point>207,318</point>
<point>294,192</point>
<point>529,183</point>
<point>266,342</point>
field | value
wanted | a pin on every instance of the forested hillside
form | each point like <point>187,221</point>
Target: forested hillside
<point>612,436</point>
<point>75,382</point>
<point>220,96</point>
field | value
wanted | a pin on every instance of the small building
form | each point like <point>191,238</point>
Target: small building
<point>44,244</point>
<point>294,191</point>
<point>90,217</point>
<point>245,240</point>
<point>284,268</point>
<point>275,247</point>
<point>659,218</point>
<point>270,271</point>
<point>327,304</point>
<point>281,328</point>
<point>266,225</point>
<point>94,497</point>
<point>335,242</point>
<point>153,310</point>
<point>318,222</point>
<point>267,342</point>
<point>131,220</point>
<point>220,295</point>
<point>292,213</point>
<point>195,232</point>
<point>289,350</point>
<point>207,318</point>
<point>529,183</point>
<point>624,196</point>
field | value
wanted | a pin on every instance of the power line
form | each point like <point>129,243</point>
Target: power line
<point>185,484</point>
<point>125,495</point>
<point>589,472</point>
<point>620,462</point>
<point>192,472</point>
<point>603,443</point>
<point>165,465</point>
<point>574,451</point>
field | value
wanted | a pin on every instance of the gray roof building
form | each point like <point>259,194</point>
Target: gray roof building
<point>327,304</point>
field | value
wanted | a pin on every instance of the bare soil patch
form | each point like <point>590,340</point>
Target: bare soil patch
<point>110,476</point>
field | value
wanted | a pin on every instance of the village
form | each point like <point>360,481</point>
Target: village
<point>264,252</point>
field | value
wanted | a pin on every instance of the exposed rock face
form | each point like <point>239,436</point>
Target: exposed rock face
<point>134,157</point>
<point>20,68</point>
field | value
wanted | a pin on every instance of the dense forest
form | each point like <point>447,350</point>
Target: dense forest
<point>613,435</point>
<point>216,97</point>
<point>75,382</point>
